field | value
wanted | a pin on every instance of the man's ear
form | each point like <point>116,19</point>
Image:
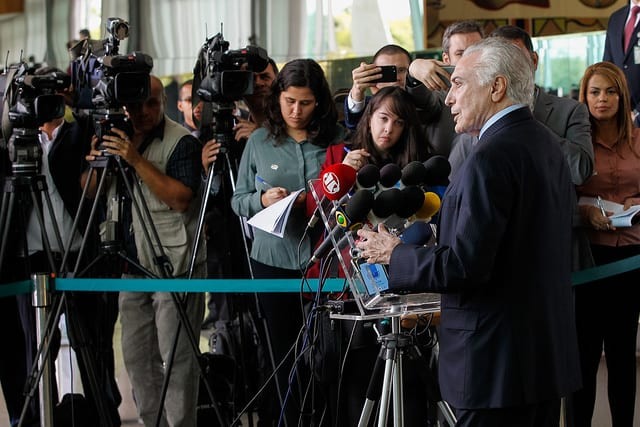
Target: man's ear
<point>499,88</point>
<point>534,58</point>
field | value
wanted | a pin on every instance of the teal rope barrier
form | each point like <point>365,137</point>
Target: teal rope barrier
<point>261,285</point>
<point>9,289</point>
<point>605,270</point>
<point>196,285</point>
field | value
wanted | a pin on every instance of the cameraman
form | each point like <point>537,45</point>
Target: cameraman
<point>165,160</point>
<point>246,121</point>
<point>225,252</point>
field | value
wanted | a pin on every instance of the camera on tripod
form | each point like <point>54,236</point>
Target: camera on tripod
<point>222,76</point>
<point>30,100</point>
<point>106,81</point>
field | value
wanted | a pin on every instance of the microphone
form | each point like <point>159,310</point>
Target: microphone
<point>418,233</point>
<point>413,174</point>
<point>386,202</point>
<point>390,174</point>
<point>348,219</point>
<point>367,177</point>
<point>430,206</point>
<point>438,169</point>
<point>412,201</point>
<point>336,182</point>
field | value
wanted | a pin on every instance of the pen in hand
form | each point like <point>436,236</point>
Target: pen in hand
<point>601,206</point>
<point>263,182</point>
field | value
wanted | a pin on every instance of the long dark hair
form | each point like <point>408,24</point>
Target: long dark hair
<point>322,129</point>
<point>408,147</point>
<point>617,78</point>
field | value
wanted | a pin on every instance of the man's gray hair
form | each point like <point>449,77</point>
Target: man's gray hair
<point>500,57</point>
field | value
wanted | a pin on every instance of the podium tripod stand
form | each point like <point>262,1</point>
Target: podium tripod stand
<point>386,379</point>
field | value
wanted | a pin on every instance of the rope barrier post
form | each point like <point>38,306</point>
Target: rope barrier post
<point>41,301</point>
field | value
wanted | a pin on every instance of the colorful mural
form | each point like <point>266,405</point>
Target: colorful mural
<point>538,17</point>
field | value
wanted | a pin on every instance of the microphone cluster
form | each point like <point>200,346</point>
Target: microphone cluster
<point>389,195</point>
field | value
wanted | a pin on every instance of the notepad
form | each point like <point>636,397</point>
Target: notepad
<point>273,219</point>
<point>620,217</point>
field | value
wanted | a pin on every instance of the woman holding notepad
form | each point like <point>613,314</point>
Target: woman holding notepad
<point>607,310</point>
<point>279,159</point>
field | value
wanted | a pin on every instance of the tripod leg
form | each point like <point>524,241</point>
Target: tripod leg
<point>199,227</point>
<point>143,213</point>
<point>80,346</point>
<point>242,220</point>
<point>8,202</point>
<point>398,408</point>
<point>42,188</point>
<point>389,367</point>
<point>374,389</point>
<point>45,238</point>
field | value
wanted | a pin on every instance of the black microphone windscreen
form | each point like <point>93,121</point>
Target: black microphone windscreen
<point>386,202</point>
<point>368,176</point>
<point>412,201</point>
<point>438,169</point>
<point>390,174</point>
<point>359,205</point>
<point>414,173</point>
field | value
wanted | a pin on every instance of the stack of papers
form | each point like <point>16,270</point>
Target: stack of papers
<point>273,219</point>
<point>620,217</point>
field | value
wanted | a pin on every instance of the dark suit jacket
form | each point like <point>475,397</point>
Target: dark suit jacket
<point>614,52</point>
<point>503,265</point>
<point>66,162</point>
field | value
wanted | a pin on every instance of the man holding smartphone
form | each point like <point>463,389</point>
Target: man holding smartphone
<point>374,77</point>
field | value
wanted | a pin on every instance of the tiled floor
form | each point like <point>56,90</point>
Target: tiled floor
<point>129,415</point>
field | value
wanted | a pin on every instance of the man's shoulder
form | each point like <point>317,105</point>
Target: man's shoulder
<point>618,15</point>
<point>558,103</point>
<point>175,128</point>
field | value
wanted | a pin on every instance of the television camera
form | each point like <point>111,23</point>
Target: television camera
<point>105,81</point>
<point>222,76</point>
<point>31,98</point>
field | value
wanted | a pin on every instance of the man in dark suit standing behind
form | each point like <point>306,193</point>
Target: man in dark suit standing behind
<point>508,348</point>
<point>621,47</point>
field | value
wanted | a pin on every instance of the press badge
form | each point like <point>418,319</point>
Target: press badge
<point>636,54</point>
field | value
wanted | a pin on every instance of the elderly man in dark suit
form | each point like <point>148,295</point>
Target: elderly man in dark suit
<point>621,47</point>
<point>508,347</point>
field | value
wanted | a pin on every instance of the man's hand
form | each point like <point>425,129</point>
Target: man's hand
<point>94,152</point>
<point>243,129</point>
<point>362,79</point>
<point>120,145</point>
<point>376,247</point>
<point>430,73</point>
<point>210,153</point>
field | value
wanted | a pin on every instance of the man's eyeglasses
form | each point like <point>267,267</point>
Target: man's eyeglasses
<point>186,99</point>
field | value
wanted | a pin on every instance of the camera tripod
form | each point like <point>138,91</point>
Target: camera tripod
<point>16,189</point>
<point>387,384</point>
<point>226,164</point>
<point>111,246</point>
